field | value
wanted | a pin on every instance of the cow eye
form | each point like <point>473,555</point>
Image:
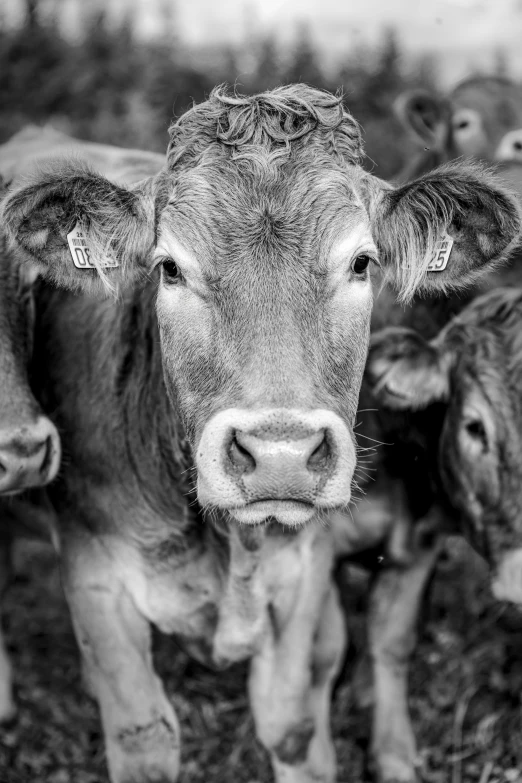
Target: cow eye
<point>171,271</point>
<point>462,125</point>
<point>477,431</point>
<point>360,264</point>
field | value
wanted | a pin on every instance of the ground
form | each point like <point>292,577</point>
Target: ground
<point>466,687</point>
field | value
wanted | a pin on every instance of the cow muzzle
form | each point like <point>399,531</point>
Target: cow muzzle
<point>29,456</point>
<point>507,582</point>
<point>279,463</point>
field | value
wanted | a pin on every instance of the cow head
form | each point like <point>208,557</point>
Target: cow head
<point>474,367</point>
<point>481,118</point>
<point>263,229</point>
<point>29,442</point>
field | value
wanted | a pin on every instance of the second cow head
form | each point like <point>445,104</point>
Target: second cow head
<point>474,368</point>
<point>481,118</point>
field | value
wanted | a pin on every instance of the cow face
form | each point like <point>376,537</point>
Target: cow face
<point>264,229</point>
<point>29,443</point>
<point>481,118</point>
<point>474,366</point>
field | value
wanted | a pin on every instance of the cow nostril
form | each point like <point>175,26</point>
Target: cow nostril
<point>240,458</point>
<point>320,456</point>
<point>3,470</point>
<point>518,146</point>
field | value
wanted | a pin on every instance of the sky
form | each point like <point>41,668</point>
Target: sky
<point>464,33</point>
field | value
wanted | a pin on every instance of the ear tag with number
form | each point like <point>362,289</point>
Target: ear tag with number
<point>439,260</point>
<point>80,252</point>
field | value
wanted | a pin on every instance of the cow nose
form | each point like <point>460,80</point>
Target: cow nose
<point>280,463</point>
<point>277,463</point>
<point>290,467</point>
<point>510,147</point>
<point>29,457</point>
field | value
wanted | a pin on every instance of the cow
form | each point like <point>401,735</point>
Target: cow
<point>471,370</point>
<point>481,118</point>
<point>219,384</point>
<point>29,441</point>
<point>456,396</point>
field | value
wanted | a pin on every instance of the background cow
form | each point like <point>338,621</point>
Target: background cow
<point>257,239</point>
<point>481,118</point>
<point>454,399</point>
<point>471,370</point>
<point>395,523</point>
<point>421,385</point>
<point>29,442</point>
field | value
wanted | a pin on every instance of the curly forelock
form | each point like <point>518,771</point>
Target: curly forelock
<point>268,126</point>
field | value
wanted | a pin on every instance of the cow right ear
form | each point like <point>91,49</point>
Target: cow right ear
<point>404,372</point>
<point>425,116</point>
<point>78,230</point>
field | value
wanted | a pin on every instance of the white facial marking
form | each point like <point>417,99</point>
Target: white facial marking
<point>507,585</point>
<point>510,147</point>
<point>468,131</point>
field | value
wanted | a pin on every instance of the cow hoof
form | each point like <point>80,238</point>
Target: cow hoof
<point>149,775</point>
<point>8,715</point>
<point>157,765</point>
<point>395,769</point>
<point>392,769</point>
<point>409,779</point>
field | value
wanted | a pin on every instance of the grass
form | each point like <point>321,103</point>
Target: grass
<point>466,687</point>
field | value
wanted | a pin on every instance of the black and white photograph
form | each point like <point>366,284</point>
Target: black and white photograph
<point>260,391</point>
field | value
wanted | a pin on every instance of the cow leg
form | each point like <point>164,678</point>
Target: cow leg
<point>393,614</point>
<point>140,727</point>
<point>291,679</point>
<point>7,703</point>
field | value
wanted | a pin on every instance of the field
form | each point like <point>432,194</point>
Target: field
<point>466,687</point>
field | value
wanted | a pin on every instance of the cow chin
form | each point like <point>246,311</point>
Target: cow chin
<point>507,583</point>
<point>289,512</point>
<point>283,464</point>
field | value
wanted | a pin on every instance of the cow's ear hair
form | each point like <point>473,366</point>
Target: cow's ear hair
<point>425,116</point>
<point>404,372</point>
<point>462,200</point>
<point>117,224</point>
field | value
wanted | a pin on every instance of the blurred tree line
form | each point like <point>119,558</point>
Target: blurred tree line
<point>108,84</point>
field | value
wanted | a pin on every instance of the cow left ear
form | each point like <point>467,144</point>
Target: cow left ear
<point>80,231</point>
<point>404,372</point>
<point>445,229</point>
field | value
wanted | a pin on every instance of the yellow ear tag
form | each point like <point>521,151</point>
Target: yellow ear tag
<point>439,260</point>
<point>80,252</point>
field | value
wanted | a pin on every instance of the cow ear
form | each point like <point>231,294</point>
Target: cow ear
<point>425,116</point>
<point>445,229</point>
<point>404,372</point>
<point>112,226</point>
